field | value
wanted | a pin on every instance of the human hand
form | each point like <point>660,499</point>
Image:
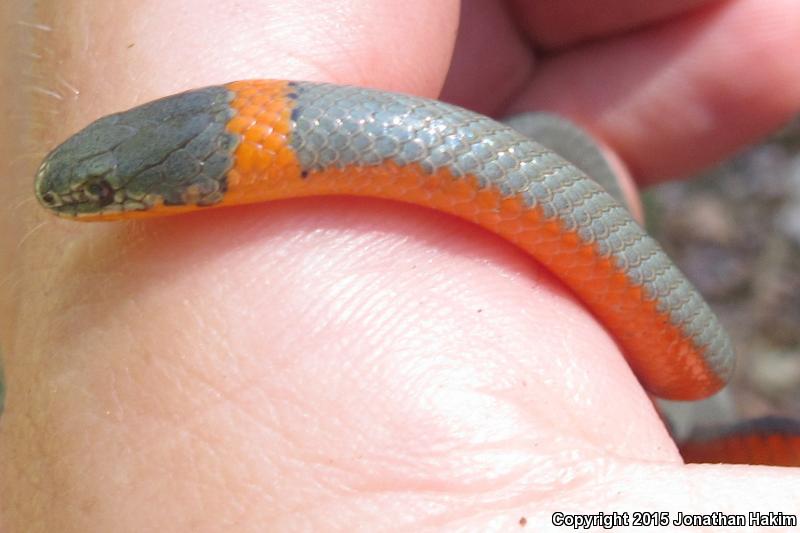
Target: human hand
<point>339,362</point>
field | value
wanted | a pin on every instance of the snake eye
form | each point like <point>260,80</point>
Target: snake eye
<point>49,198</point>
<point>100,191</point>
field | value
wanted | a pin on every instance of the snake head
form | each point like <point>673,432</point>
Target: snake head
<point>82,175</point>
<point>174,152</point>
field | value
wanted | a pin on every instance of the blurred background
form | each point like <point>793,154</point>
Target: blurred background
<point>735,233</point>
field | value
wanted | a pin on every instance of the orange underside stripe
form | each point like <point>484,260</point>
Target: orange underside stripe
<point>267,168</point>
<point>758,449</point>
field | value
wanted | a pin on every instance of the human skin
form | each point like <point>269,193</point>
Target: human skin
<point>343,363</point>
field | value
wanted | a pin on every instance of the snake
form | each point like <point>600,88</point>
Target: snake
<point>262,140</point>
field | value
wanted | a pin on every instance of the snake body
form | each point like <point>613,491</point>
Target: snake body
<point>254,141</point>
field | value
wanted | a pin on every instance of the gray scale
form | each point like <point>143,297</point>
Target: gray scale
<point>154,152</point>
<point>346,125</point>
<point>177,150</point>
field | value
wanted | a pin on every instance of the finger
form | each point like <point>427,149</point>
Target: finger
<point>557,23</point>
<point>337,41</point>
<point>679,97</point>
<point>487,78</point>
<point>484,78</point>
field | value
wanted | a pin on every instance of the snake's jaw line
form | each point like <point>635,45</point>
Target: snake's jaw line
<point>44,191</point>
<point>174,152</point>
<point>67,198</point>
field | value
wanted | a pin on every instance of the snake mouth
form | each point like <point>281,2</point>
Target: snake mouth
<point>64,202</point>
<point>80,205</point>
<point>94,198</point>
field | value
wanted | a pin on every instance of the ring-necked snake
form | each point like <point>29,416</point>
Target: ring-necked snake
<point>255,141</point>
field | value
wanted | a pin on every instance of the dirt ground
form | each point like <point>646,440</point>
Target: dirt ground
<point>735,233</point>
